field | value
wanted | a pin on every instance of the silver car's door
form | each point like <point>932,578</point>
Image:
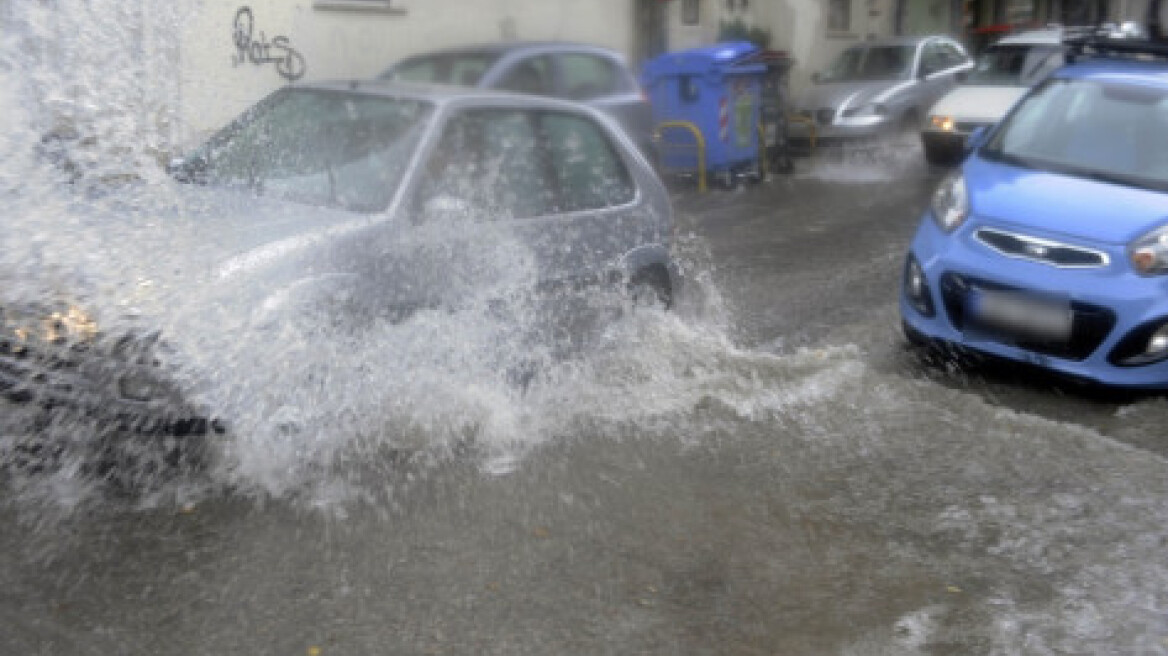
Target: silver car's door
<point>941,61</point>
<point>539,189</point>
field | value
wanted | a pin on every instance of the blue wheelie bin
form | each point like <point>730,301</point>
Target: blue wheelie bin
<point>715,90</point>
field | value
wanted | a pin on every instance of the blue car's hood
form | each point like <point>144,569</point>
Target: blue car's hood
<point>1062,204</point>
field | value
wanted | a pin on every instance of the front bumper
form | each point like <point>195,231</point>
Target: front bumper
<point>948,146</point>
<point>1110,306</point>
<point>87,380</point>
<point>836,127</point>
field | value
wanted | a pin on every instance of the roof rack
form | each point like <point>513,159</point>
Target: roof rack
<point>1101,44</point>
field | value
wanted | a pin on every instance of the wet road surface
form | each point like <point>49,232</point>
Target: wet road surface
<point>786,478</point>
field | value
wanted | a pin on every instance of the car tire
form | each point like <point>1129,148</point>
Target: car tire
<point>650,287</point>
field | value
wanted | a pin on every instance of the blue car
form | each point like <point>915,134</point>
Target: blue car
<point>1049,245</point>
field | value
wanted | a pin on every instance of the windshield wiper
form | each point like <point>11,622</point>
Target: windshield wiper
<point>1110,177</point>
<point>1015,160</point>
<point>1122,179</point>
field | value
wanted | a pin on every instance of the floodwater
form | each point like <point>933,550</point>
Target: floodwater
<point>766,470</point>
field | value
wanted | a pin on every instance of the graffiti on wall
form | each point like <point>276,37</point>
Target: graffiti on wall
<point>259,50</point>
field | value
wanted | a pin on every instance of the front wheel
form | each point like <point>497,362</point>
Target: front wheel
<point>651,288</point>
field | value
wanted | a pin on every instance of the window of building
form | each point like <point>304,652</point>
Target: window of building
<point>388,6</point>
<point>690,12</point>
<point>839,16</point>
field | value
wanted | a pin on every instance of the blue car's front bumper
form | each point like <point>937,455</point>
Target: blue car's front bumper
<point>1112,306</point>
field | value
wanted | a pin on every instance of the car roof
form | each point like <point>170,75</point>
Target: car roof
<point>1122,70</point>
<point>1053,36</point>
<point>516,47</point>
<point>441,94</point>
<point>900,41</point>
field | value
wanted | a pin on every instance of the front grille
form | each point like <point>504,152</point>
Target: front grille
<point>1089,326</point>
<point>1041,250</point>
<point>825,116</point>
<point>84,378</point>
<point>38,369</point>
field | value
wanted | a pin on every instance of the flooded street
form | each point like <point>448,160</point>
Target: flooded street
<point>797,484</point>
<point>767,468</point>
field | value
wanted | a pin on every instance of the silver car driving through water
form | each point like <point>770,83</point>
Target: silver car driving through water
<point>879,88</point>
<point>311,203</point>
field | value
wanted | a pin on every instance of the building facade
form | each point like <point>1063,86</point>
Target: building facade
<point>232,54</point>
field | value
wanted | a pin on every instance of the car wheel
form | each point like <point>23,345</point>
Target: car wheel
<point>651,288</point>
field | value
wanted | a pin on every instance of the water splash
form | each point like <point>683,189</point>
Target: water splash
<point>321,401</point>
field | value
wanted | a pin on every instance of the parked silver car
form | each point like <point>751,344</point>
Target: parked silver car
<point>318,195</point>
<point>878,88</point>
<point>596,76</point>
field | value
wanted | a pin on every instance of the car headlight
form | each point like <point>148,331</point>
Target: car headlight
<point>942,123</point>
<point>950,204</point>
<point>867,109</point>
<point>1149,254</point>
<point>66,324</point>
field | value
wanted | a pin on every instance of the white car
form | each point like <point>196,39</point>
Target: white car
<point>1004,72</point>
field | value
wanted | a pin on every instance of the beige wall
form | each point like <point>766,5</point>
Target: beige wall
<point>339,43</point>
<point>796,26</point>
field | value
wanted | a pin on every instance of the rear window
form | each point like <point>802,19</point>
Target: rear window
<point>1015,65</point>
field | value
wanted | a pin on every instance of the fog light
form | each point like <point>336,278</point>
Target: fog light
<point>1158,342</point>
<point>916,287</point>
<point>1146,344</point>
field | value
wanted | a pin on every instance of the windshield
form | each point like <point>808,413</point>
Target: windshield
<point>1015,65</point>
<point>330,148</point>
<point>1104,131</point>
<point>864,63</point>
<point>464,69</point>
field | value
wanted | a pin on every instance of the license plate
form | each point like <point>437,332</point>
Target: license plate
<point>1021,314</point>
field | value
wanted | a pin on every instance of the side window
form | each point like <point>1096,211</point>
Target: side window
<point>952,55</point>
<point>489,159</point>
<point>584,76</point>
<point>932,60</point>
<point>531,75</point>
<point>587,170</point>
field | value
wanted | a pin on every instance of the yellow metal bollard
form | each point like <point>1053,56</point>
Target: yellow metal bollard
<point>796,118</point>
<point>699,140</point>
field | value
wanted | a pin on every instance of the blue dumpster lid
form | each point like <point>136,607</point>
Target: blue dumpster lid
<point>720,57</point>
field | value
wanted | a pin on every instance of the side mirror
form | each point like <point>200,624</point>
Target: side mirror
<point>961,76</point>
<point>977,138</point>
